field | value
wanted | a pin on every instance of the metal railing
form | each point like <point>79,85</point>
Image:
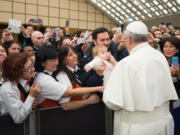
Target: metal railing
<point>90,120</point>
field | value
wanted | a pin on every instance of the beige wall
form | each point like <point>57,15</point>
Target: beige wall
<point>55,13</point>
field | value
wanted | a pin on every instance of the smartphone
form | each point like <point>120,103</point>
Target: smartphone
<point>36,20</point>
<point>175,61</point>
<point>56,34</point>
<point>67,22</point>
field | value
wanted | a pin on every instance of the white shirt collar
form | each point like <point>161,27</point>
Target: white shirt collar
<point>49,72</point>
<point>22,82</point>
<point>138,47</point>
<point>72,69</point>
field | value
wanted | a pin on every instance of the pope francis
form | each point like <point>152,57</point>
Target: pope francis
<point>140,87</point>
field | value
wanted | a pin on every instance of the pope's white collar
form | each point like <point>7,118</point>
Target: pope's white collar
<point>138,47</point>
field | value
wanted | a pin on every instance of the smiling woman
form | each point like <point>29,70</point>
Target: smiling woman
<point>12,46</point>
<point>170,48</point>
<point>52,90</point>
<point>15,98</point>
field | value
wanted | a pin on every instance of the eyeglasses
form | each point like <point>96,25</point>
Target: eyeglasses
<point>30,68</point>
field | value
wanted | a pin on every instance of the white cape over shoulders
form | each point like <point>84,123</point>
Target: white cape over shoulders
<point>140,82</point>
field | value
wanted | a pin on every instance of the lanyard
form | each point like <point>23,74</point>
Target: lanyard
<point>50,75</point>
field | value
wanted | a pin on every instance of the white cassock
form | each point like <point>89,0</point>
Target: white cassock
<point>139,90</point>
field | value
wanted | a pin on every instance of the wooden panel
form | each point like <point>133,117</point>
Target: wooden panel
<point>91,25</point>
<point>4,17</point>
<point>42,10</point>
<point>31,1</point>
<point>43,2</point>
<point>73,14</point>
<point>82,15</point>
<point>31,9</point>
<point>99,18</point>
<point>19,0</point>
<point>74,5</point>
<point>64,4</point>
<point>99,25</point>
<point>91,8</point>
<point>106,19</point>
<point>62,22</point>
<point>6,6</point>
<point>73,23</point>
<point>82,24</point>
<point>18,7</point>
<point>82,6</point>
<point>64,13</point>
<point>107,26</point>
<point>54,21</point>
<point>91,17</point>
<point>20,17</point>
<point>54,3</point>
<point>54,12</point>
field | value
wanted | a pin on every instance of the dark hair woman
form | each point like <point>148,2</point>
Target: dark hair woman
<point>72,76</point>
<point>52,91</point>
<point>14,97</point>
<point>170,48</point>
<point>12,46</point>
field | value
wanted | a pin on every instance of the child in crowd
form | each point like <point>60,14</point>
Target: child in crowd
<point>101,55</point>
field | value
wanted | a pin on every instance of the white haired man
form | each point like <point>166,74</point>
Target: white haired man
<point>140,88</point>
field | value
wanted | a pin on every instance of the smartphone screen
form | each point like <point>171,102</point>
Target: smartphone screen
<point>175,61</point>
<point>36,21</point>
<point>67,22</point>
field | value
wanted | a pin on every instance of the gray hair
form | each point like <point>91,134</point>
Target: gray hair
<point>137,37</point>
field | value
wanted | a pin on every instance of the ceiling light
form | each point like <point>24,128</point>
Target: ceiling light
<point>135,2</point>
<point>178,1</point>
<point>157,13</point>
<point>119,3</point>
<point>109,1</point>
<point>169,4</point>
<point>129,5</point>
<point>160,7</point>
<point>155,2</point>
<point>165,11</point>
<point>125,1</point>
<point>174,9</point>
<point>148,5</point>
<point>149,15</point>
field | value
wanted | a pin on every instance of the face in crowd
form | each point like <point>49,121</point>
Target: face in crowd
<point>29,70</point>
<point>6,36</point>
<point>14,48</point>
<point>169,49</point>
<point>71,59</point>
<point>37,39</point>
<point>103,39</point>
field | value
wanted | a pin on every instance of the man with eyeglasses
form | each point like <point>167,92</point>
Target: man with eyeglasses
<point>37,39</point>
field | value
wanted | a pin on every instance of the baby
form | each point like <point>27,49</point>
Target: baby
<point>101,55</point>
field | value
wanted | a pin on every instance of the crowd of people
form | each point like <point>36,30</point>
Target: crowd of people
<point>41,71</point>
